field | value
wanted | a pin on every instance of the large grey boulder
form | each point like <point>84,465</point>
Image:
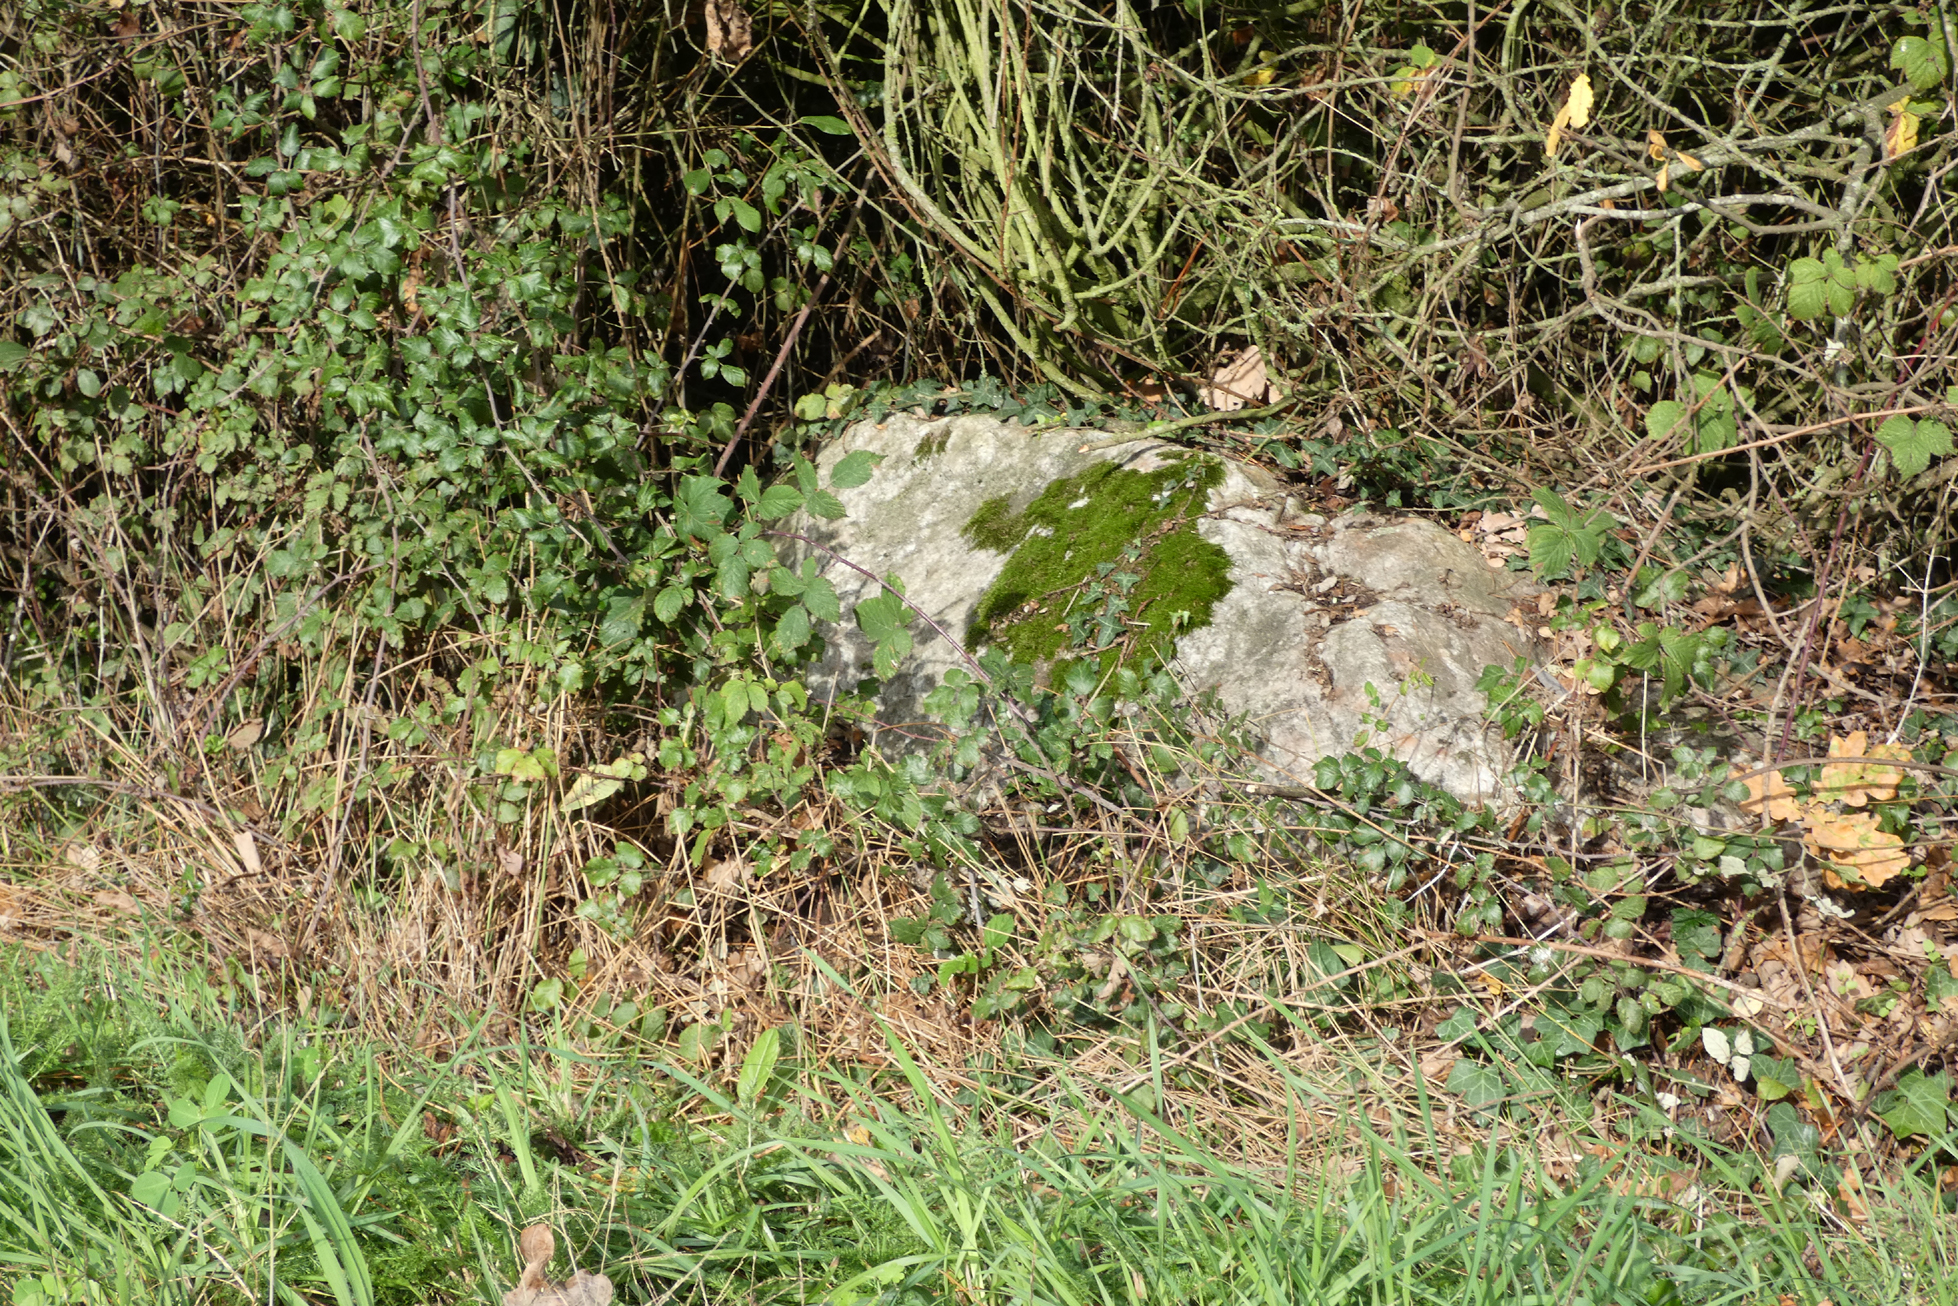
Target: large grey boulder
<point>1319,633</point>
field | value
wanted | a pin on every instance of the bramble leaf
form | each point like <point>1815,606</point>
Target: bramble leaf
<point>854,469</point>
<point>1921,62</point>
<point>1912,445</point>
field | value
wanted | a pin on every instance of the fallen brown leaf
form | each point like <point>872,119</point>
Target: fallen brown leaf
<point>535,1246</point>
<point>1770,796</point>
<point>1240,383</point>
<point>1861,856</point>
<point>1862,778</point>
<point>730,32</point>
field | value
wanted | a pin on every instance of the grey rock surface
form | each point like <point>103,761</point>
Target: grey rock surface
<point>1332,631</point>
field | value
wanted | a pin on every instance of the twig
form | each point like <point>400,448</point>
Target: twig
<point>795,330</point>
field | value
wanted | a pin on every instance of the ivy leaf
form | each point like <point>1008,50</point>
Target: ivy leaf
<point>1459,1025</point>
<point>1479,1084</point>
<point>1940,984</point>
<point>1918,1105</point>
<point>1695,933</point>
<point>855,469</point>
<point>1793,1136</point>
<point>1912,445</point>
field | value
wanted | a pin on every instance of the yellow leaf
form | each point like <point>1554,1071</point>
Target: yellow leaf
<point>1665,177</point>
<point>1691,162</point>
<point>1260,78</point>
<point>1655,144</point>
<point>1901,136</point>
<point>1861,856</point>
<point>1580,100</point>
<point>1576,112</point>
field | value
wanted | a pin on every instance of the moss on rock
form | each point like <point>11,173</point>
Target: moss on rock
<point>1060,542</point>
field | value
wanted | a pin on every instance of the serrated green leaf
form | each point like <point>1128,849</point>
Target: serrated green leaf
<point>671,599</point>
<point>1550,550</point>
<point>890,651</point>
<point>854,469</point>
<point>1912,445</point>
<point>1807,293</point>
<point>1877,274</point>
<point>825,505</point>
<point>792,629</point>
<point>881,615</point>
<point>1663,418</point>
<point>1921,62</point>
<point>622,620</point>
<point>820,598</point>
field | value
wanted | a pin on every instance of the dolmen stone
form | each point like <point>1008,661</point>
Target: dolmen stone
<point>1316,635</point>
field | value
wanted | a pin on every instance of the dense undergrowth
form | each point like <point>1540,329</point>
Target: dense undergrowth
<point>404,406</point>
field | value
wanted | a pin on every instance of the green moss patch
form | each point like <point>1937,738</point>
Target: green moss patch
<point>1108,517</point>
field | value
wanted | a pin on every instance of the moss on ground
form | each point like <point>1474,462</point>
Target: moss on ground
<point>1142,523</point>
